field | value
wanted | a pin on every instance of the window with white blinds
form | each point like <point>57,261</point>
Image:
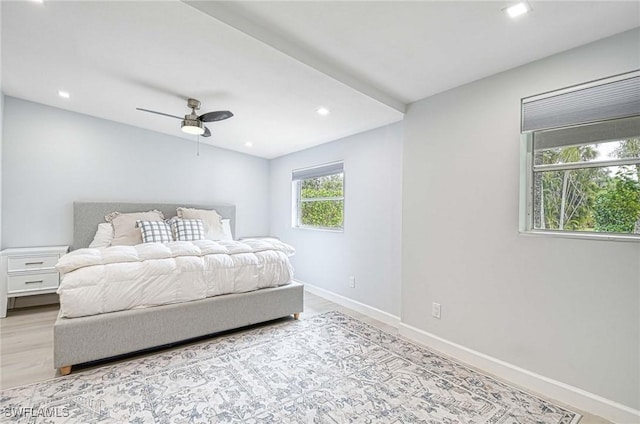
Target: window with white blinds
<point>318,194</point>
<point>582,159</point>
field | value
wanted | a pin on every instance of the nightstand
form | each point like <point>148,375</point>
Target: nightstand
<point>28,271</point>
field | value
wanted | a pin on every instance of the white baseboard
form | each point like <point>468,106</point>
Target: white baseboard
<point>367,310</point>
<point>556,390</point>
<point>572,396</point>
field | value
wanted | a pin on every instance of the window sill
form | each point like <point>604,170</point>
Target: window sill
<point>326,230</point>
<point>584,236</point>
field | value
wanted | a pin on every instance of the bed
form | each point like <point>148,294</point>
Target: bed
<point>94,337</point>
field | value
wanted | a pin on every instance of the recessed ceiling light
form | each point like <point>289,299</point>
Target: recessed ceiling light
<point>63,94</point>
<point>518,9</point>
<point>38,1</point>
<point>248,144</point>
<point>322,111</point>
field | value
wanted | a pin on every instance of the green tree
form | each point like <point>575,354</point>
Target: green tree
<point>565,198</point>
<point>629,148</point>
<point>617,206</point>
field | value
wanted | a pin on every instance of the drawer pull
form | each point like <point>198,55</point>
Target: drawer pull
<point>33,263</point>
<point>34,282</point>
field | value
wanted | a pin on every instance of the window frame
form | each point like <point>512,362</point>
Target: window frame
<point>565,117</point>
<point>297,200</point>
<point>526,204</point>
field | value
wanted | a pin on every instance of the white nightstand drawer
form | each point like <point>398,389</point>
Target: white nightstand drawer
<point>21,283</point>
<point>26,263</point>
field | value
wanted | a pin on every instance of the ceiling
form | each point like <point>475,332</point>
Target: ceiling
<point>275,63</point>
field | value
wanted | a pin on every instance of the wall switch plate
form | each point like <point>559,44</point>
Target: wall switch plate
<point>352,281</point>
<point>435,310</point>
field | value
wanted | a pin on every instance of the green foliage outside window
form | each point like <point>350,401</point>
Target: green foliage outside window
<point>322,201</point>
<point>326,214</point>
<point>588,199</point>
<point>567,196</point>
<point>617,207</point>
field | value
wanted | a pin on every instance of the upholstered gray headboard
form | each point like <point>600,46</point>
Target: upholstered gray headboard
<point>87,216</point>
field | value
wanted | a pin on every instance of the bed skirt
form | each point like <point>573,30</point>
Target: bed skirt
<point>84,339</point>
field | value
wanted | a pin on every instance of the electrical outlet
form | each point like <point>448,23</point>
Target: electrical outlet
<point>435,310</point>
<point>352,282</point>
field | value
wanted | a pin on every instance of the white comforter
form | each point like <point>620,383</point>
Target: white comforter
<point>96,281</point>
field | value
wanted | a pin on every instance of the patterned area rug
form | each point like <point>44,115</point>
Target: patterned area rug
<point>329,368</point>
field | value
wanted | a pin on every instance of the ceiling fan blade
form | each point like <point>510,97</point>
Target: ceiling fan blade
<point>159,113</point>
<point>207,133</point>
<point>216,116</point>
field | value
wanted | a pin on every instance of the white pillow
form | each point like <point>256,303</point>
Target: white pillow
<point>226,230</point>
<point>103,236</point>
<point>224,233</point>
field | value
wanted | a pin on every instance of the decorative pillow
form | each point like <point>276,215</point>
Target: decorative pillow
<point>155,231</point>
<point>187,229</point>
<point>211,221</point>
<point>103,236</point>
<point>125,232</point>
<point>226,230</point>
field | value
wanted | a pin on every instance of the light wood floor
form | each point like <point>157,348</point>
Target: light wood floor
<point>26,343</point>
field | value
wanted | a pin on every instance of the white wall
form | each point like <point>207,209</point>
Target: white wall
<point>1,134</point>
<point>52,157</point>
<point>369,247</point>
<point>566,309</point>
<point>1,143</point>
<point>3,288</point>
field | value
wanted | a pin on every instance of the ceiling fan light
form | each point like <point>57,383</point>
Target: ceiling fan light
<point>192,126</point>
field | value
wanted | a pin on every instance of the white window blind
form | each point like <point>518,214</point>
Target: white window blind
<point>318,171</point>
<point>614,98</point>
<point>618,129</point>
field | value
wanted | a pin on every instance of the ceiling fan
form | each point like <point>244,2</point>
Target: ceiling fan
<point>194,124</point>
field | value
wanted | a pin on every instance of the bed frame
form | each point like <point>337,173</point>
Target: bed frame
<point>85,339</point>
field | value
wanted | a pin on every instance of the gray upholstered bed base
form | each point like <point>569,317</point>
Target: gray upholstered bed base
<point>84,339</point>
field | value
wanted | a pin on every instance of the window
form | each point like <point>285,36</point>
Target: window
<point>319,197</point>
<point>581,161</point>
